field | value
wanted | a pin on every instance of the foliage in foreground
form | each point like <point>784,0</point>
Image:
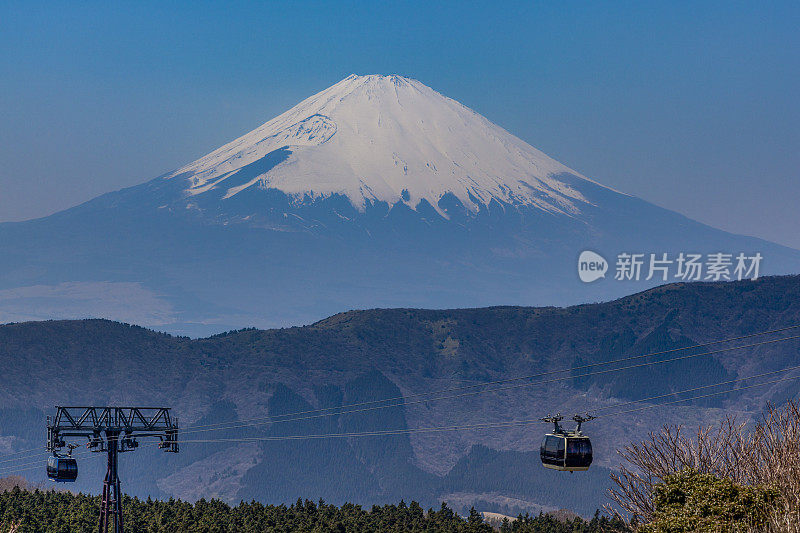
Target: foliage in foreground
<point>692,501</point>
<point>672,481</point>
<point>24,511</point>
<point>546,523</point>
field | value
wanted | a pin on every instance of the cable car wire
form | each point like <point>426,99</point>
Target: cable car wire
<point>266,420</point>
<point>20,451</point>
<point>475,426</point>
<point>492,425</point>
<point>341,410</point>
<point>278,418</point>
<point>484,384</point>
<point>12,469</point>
<point>39,453</point>
<point>38,467</point>
<point>509,380</point>
<point>729,382</point>
<point>793,378</point>
<point>9,470</point>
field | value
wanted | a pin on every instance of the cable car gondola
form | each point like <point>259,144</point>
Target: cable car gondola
<point>62,469</point>
<point>566,450</point>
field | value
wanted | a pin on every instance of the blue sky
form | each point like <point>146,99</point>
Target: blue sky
<point>692,106</point>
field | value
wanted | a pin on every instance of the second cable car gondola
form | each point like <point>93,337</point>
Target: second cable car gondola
<point>566,450</point>
<point>62,469</point>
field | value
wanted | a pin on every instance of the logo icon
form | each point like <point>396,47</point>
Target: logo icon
<point>591,266</point>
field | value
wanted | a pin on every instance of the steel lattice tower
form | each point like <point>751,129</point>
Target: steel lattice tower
<point>112,430</point>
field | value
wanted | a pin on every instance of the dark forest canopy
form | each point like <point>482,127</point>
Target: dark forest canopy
<point>54,512</point>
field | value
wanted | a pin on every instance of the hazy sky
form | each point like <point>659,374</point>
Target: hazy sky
<point>691,106</point>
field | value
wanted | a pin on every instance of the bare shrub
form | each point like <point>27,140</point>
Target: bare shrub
<point>774,460</point>
<point>767,454</point>
<point>9,482</point>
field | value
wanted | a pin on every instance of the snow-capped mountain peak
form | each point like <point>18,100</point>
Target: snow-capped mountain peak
<point>267,231</point>
<point>385,138</point>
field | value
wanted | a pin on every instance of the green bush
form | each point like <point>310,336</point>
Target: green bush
<point>693,501</point>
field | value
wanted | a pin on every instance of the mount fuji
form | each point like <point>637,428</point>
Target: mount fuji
<point>376,192</point>
<point>385,139</point>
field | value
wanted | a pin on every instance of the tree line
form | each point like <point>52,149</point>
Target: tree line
<point>49,511</point>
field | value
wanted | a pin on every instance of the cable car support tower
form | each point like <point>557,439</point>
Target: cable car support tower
<point>112,430</point>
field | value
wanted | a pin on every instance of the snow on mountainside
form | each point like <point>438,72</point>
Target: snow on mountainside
<point>390,139</point>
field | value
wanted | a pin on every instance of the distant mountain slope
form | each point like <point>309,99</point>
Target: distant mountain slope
<point>368,355</point>
<point>376,192</point>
